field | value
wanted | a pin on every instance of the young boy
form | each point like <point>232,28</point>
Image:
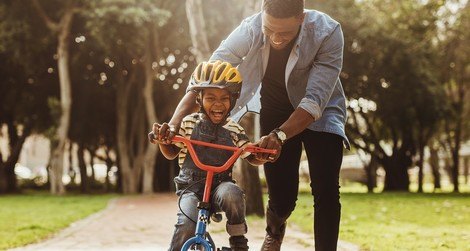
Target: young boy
<point>218,86</point>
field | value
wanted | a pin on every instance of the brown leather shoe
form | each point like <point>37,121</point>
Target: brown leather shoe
<point>271,243</point>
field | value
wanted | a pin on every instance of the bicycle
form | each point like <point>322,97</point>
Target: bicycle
<point>202,237</point>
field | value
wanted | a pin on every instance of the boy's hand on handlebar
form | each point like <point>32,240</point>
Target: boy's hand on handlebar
<point>269,142</point>
<point>162,134</point>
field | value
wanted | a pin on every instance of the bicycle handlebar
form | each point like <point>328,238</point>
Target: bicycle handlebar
<point>236,152</point>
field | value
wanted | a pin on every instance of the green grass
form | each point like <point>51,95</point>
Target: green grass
<point>29,218</point>
<point>398,221</point>
<point>383,222</point>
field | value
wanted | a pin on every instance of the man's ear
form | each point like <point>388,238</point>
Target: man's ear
<point>301,18</point>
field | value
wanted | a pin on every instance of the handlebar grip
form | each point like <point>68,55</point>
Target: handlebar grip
<point>152,135</point>
<point>256,149</point>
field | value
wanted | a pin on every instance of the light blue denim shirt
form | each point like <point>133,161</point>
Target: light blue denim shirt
<point>312,71</point>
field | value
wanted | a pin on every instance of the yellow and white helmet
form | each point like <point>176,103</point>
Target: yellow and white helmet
<point>217,74</point>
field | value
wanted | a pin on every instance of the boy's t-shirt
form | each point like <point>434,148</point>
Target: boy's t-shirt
<point>195,127</point>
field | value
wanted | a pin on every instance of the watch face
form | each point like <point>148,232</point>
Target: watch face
<point>281,135</point>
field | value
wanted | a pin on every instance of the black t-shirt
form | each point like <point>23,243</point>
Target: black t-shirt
<point>274,98</point>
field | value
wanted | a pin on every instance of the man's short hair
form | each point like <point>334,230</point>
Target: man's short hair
<point>283,8</point>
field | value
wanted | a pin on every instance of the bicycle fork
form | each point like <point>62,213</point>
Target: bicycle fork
<point>202,237</point>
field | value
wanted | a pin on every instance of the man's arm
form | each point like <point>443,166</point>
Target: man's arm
<point>186,106</point>
<point>167,131</point>
<point>298,121</point>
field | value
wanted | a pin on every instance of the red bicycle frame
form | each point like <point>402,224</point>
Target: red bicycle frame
<point>217,169</point>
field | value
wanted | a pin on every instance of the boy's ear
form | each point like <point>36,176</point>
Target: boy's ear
<point>199,99</point>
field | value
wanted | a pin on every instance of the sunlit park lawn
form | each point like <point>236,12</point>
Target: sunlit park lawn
<point>399,221</point>
<point>378,221</point>
<point>31,217</point>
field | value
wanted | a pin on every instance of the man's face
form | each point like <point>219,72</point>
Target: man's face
<point>216,103</point>
<point>280,31</point>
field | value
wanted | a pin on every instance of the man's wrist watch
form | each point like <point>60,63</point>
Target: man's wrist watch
<point>281,136</point>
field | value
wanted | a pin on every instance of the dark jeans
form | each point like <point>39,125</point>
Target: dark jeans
<point>226,197</point>
<point>325,153</point>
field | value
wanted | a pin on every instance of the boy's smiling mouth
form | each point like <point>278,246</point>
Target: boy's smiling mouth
<point>217,114</point>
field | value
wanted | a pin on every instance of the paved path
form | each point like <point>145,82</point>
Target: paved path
<point>145,222</point>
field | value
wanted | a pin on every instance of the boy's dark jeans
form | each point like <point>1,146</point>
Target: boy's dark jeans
<point>226,196</point>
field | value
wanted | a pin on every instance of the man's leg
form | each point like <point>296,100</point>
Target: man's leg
<point>325,154</point>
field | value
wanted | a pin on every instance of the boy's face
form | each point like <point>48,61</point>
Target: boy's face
<point>216,103</point>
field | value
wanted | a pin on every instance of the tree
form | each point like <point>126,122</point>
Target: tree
<point>197,28</point>
<point>26,85</point>
<point>455,74</point>
<point>388,79</point>
<point>62,28</point>
<point>93,120</point>
<point>148,68</point>
<point>136,163</point>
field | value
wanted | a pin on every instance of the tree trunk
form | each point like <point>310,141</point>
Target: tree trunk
<point>421,142</point>
<point>127,174</point>
<point>109,165</point>
<point>197,29</point>
<point>248,175</point>
<point>396,177</point>
<point>8,182</point>
<point>466,168</point>
<point>434,163</point>
<point>371,172</point>
<point>151,151</point>
<point>84,180</point>
<point>420,170</point>
<point>71,172</point>
<point>455,170</point>
<point>57,153</point>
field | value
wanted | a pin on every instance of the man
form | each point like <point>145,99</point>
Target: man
<point>290,59</point>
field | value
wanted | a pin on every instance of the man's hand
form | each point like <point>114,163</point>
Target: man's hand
<point>162,134</point>
<point>269,141</point>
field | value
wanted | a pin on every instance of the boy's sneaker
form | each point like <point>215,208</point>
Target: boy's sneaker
<point>238,243</point>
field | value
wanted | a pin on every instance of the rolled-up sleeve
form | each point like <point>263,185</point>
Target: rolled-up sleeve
<point>324,74</point>
<point>311,107</point>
